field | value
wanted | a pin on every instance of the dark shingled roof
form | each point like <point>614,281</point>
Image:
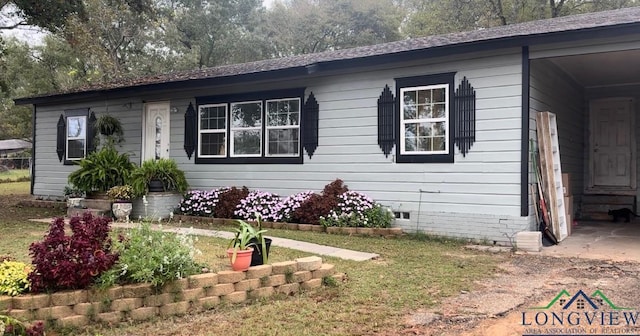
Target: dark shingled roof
<point>520,34</point>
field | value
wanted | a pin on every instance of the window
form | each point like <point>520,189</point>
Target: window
<point>283,127</point>
<point>75,132</point>
<point>261,127</point>
<point>424,120</point>
<point>246,129</point>
<point>76,137</point>
<point>212,124</point>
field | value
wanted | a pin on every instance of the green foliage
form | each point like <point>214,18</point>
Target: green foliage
<point>165,170</point>
<point>13,278</point>
<point>329,281</point>
<point>101,170</point>
<point>49,14</point>
<point>156,257</point>
<point>110,128</point>
<point>374,217</point>
<point>245,233</point>
<point>120,193</point>
<point>308,26</point>
<point>72,192</point>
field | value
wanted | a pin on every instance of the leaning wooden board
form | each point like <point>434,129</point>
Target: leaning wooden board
<point>549,147</point>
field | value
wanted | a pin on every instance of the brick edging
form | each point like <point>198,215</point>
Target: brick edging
<point>360,231</point>
<point>43,204</point>
<point>139,302</point>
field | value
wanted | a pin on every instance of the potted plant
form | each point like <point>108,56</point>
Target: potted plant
<point>101,170</point>
<point>161,202</point>
<point>262,244</point>
<point>239,249</point>
<point>164,172</point>
<point>121,197</point>
<point>74,196</point>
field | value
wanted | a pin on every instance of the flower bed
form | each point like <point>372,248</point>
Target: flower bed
<point>138,302</point>
<point>336,206</point>
<point>210,222</point>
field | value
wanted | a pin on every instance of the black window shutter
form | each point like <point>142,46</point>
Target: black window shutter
<point>310,126</point>
<point>465,116</point>
<point>190,130</point>
<point>386,117</point>
<point>91,133</point>
<point>61,137</point>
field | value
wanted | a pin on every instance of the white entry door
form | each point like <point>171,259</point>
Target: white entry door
<point>156,131</point>
<point>612,144</point>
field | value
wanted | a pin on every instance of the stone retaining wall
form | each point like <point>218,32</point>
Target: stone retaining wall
<point>361,231</point>
<point>72,309</point>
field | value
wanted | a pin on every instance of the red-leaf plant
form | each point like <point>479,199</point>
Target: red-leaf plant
<point>71,262</point>
<point>317,206</point>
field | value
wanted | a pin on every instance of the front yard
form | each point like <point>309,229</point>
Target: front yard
<point>413,272</point>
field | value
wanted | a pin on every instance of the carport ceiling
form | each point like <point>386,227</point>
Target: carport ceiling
<point>602,69</point>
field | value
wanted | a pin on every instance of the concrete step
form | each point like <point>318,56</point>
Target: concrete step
<point>604,208</point>
<point>80,211</point>
<point>624,200</point>
<point>595,216</point>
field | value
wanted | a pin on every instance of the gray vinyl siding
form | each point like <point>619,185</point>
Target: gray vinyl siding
<point>51,174</point>
<point>477,196</point>
<point>552,90</point>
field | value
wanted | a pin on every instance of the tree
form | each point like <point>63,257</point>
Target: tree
<point>307,26</point>
<point>48,14</point>
<point>112,37</point>
<point>437,17</point>
<point>210,33</point>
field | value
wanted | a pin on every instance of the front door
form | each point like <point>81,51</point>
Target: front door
<point>612,145</point>
<point>156,136</point>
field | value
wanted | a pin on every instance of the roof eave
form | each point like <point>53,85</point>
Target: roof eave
<point>351,63</point>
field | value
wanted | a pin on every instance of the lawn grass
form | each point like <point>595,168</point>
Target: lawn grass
<point>15,188</point>
<point>14,175</point>
<point>410,274</point>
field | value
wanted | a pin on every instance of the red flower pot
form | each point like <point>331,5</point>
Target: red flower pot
<point>243,259</point>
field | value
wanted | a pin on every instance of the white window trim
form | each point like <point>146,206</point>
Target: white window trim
<point>75,138</point>
<point>223,131</point>
<point>234,129</point>
<point>403,151</point>
<point>268,128</point>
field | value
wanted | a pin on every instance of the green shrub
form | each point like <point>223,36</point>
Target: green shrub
<point>13,278</point>
<point>164,170</point>
<point>101,170</point>
<point>151,256</point>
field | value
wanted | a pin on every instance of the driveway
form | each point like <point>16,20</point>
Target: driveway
<point>600,240</point>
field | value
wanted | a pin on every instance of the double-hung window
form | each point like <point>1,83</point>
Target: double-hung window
<point>76,137</point>
<point>212,123</point>
<point>261,127</point>
<point>283,127</point>
<point>424,120</point>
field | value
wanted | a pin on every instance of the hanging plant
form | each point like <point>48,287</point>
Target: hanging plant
<point>111,128</point>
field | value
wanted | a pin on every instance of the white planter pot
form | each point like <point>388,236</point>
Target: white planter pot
<point>122,211</point>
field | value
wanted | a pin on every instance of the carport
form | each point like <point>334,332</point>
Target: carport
<point>594,90</point>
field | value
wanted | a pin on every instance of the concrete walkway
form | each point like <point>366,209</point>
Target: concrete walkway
<point>275,241</point>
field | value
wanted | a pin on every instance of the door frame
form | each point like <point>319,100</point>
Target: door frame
<point>591,188</point>
<point>144,125</point>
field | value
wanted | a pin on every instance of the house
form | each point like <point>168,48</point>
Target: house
<point>437,128</point>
